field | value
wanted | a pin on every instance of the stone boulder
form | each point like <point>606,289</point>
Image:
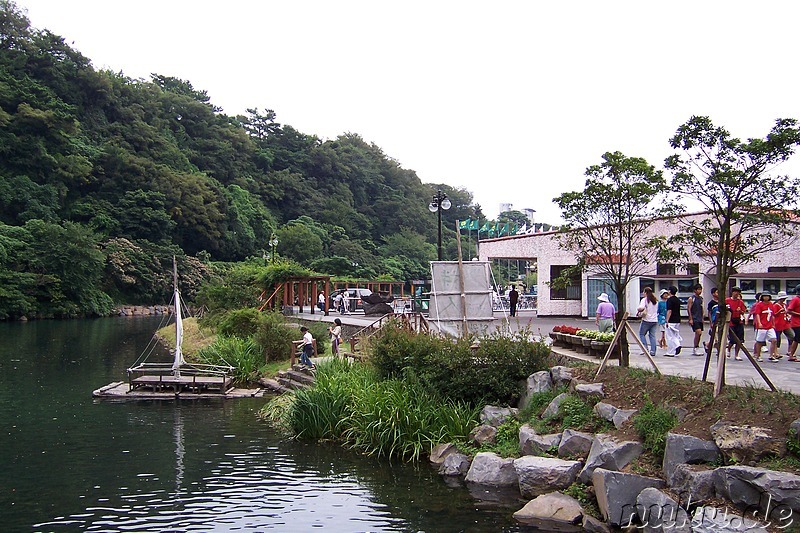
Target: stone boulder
<point>758,488</point>
<point>561,376</point>
<point>536,383</point>
<point>455,464</point>
<point>539,475</point>
<point>590,391</point>
<point>605,411</point>
<point>621,417</point>
<point>609,453</point>
<point>593,525</point>
<point>481,435</point>
<point>616,494</point>
<point>575,444</point>
<point>658,513</point>
<point>497,416</point>
<point>531,443</point>
<point>794,427</point>
<point>552,512</point>
<point>488,468</point>
<point>552,408</point>
<point>692,482</point>
<point>441,451</point>
<point>709,519</point>
<point>746,444</point>
<point>686,449</point>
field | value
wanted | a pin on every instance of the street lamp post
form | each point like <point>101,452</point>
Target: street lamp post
<point>273,244</point>
<point>440,201</point>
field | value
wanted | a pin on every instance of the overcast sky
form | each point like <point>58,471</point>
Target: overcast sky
<point>511,100</point>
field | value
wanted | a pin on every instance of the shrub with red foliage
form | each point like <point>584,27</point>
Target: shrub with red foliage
<point>569,330</point>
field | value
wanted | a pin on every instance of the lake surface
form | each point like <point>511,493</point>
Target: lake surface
<point>71,463</point>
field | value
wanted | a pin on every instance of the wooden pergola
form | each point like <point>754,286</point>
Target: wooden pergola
<point>300,291</point>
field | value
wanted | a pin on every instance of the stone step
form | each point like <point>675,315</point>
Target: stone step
<point>273,385</point>
<point>292,384</point>
<point>296,375</point>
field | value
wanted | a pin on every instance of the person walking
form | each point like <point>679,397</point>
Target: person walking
<point>738,311</point>
<point>604,317</point>
<point>783,323</point>
<point>674,339</point>
<point>306,348</point>
<point>694,308</point>
<point>648,310</point>
<point>793,310</point>
<point>662,317</point>
<point>713,314</point>
<point>321,301</point>
<point>336,336</point>
<point>513,298</point>
<point>764,316</point>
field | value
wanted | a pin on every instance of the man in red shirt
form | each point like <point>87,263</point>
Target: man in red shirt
<point>764,317</point>
<point>738,311</point>
<point>793,310</point>
<point>783,325</point>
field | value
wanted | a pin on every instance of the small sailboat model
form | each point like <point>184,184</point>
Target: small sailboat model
<point>179,376</point>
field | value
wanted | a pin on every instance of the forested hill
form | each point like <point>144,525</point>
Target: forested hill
<point>104,177</point>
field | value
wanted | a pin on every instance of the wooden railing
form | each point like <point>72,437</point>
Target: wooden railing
<point>410,321</point>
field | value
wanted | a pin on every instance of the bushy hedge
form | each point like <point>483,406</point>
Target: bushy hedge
<point>275,337</point>
<point>489,374</point>
<point>242,323</point>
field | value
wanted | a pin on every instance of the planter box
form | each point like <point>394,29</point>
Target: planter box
<point>599,348</point>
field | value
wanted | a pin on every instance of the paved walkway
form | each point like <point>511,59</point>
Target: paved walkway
<point>783,374</point>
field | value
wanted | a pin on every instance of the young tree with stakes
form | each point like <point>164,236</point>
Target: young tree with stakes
<point>750,208</point>
<point>608,224</point>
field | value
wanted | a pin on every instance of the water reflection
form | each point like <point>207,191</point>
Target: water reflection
<point>71,464</point>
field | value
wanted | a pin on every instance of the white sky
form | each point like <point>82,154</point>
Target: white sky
<point>510,99</point>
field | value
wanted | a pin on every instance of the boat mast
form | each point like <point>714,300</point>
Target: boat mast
<point>178,360</point>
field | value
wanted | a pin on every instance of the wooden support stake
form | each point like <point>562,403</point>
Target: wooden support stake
<point>718,386</point>
<point>464,328</point>
<point>642,346</point>
<point>613,344</point>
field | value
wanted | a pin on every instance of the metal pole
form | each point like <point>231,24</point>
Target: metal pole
<point>439,212</point>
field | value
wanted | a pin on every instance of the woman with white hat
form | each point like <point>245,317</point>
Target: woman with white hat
<point>604,318</point>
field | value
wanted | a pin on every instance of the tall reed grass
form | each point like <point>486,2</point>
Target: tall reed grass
<point>393,418</point>
<point>244,355</point>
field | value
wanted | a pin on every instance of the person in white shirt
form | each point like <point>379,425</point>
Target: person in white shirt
<point>648,310</point>
<point>307,348</point>
<point>336,336</point>
<point>321,301</point>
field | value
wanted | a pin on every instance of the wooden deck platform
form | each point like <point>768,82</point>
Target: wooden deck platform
<point>121,390</point>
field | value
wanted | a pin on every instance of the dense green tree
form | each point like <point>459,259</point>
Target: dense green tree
<point>735,181</point>
<point>609,221</point>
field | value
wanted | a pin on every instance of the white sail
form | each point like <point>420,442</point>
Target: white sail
<point>178,361</point>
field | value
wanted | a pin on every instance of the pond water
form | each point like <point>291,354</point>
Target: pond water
<point>71,463</point>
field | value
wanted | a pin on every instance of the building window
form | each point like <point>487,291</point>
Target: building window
<point>665,269</point>
<point>570,292</point>
<point>772,286</point>
<point>693,269</point>
<point>747,285</point>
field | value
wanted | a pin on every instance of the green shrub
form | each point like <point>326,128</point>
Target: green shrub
<point>793,442</point>
<point>242,323</point>
<point>653,423</point>
<point>490,374</point>
<point>244,355</point>
<point>275,337</point>
<point>575,413</point>
<point>319,330</point>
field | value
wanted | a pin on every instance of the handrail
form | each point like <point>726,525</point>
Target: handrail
<point>268,300</point>
<point>419,324</point>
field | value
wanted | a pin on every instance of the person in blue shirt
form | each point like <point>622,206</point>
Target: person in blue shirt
<point>662,317</point>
